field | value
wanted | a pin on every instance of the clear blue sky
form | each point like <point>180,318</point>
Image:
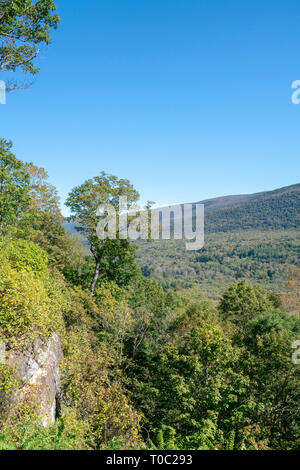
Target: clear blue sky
<point>189,99</point>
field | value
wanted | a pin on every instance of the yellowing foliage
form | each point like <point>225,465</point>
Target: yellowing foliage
<point>27,256</point>
<point>30,304</point>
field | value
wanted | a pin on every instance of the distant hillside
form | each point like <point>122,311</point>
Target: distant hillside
<point>271,210</point>
<point>275,210</point>
<point>254,237</point>
<point>261,257</point>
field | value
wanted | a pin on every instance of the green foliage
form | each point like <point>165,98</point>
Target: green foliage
<point>114,259</point>
<point>166,439</point>
<point>243,302</point>
<point>66,434</point>
<point>90,390</point>
<point>26,256</point>
<point>30,303</point>
<point>24,26</point>
<point>14,187</point>
<point>260,257</point>
<point>8,380</point>
<point>273,320</point>
<point>272,210</point>
<point>29,210</point>
<point>145,367</point>
<point>274,385</point>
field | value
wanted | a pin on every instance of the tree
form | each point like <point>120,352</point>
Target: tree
<point>274,388</point>
<point>29,208</point>
<point>14,187</point>
<point>24,26</point>
<point>114,259</point>
<point>44,196</point>
<point>66,252</point>
<point>191,384</point>
<point>243,302</point>
<point>291,294</point>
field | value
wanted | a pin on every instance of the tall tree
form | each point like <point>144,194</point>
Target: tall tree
<point>47,222</point>
<point>44,196</point>
<point>14,187</point>
<point>114,259</point>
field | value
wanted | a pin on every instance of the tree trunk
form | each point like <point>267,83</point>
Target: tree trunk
<point>96,275</point>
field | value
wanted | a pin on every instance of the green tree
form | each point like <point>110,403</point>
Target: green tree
<point>243,302</point>
<point>47,222</point>
<point>25,25</point>
<point>44,196</point>
<point>14,187</point>
<point>192,384</point>
<point>29,209</point>
<point>114,259</point>
<point>274,387</point>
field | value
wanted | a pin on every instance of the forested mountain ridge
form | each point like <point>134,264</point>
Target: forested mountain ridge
<point>253,237</point>
<point>271,210</point>
<point>268,210</point>
<point>222,201</point>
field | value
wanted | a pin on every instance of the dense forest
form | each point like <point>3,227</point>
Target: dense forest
<point>143,367</point>
<point>252,237</point>
<point>261,257</point>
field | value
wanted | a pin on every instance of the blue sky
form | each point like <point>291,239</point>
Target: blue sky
<point>189,99</point>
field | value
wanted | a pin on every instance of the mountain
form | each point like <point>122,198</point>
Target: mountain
<point>254,237</point>
<point>278,209</point>
<point>270,210</point>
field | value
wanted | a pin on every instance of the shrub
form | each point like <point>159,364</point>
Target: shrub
<point>30,302</point>
<point>26,256</point>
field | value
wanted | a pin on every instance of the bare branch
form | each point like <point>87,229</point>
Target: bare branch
<point>12,86</point>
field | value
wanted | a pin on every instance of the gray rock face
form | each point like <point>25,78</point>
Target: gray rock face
<point>38,370</point>
<point>2,352</point>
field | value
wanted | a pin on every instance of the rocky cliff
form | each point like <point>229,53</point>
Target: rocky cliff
<point>37,371</point>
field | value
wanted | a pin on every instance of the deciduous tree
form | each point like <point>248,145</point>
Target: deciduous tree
<point>14,187</point>
<point>114,259</point>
